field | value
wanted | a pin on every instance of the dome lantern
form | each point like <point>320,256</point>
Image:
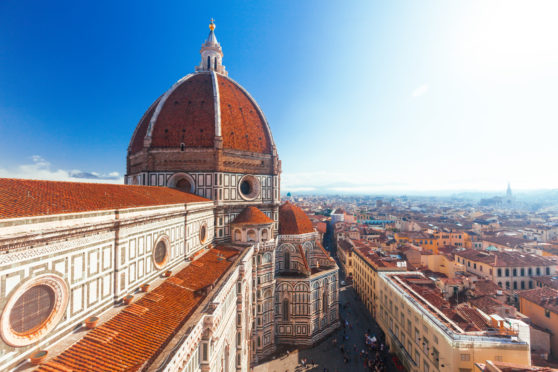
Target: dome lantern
<point>211,53</point>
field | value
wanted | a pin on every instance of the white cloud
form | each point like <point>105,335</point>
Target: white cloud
<point>41,169</point>
<point>420,91</point>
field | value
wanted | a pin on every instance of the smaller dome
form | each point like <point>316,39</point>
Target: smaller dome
<point>293,220</point>
<point>252,216</point>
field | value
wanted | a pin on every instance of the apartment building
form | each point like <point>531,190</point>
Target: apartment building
<point>541,306</point>
<point>366,266</point>
<point>510,270</point>
<point>426,241</point>
<point>428,333</point>
<point>345,255</point>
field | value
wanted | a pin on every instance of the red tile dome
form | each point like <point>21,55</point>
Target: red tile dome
<point>293,220</point>
<point>199,109</point>
<point>252,216</point>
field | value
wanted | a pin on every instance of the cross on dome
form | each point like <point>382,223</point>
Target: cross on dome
<point>211,53</point>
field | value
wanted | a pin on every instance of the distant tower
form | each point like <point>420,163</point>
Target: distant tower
<point>509,197</point>
<point>211,53</point>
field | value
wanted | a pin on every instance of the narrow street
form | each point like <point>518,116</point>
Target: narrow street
<point>327,355</point>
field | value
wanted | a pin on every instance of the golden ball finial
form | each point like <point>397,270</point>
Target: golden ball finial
<point>212,25</point>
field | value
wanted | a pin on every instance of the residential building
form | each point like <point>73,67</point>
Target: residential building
<point>541,306</point>
<point>366,266</point>
<point>510,270</point>
<point>428,333</point>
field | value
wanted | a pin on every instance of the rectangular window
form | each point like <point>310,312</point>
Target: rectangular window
<point>435,357</point>
<point>425,346</point>
<point>465,357</point>
<point>204,351</point>
<point>547,313</point>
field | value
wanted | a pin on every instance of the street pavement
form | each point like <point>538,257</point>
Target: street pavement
<point>327,356</point>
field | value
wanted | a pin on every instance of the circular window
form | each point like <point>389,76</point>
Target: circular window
<point>33,310</point>
<point>161,252</point>
<point>246,187</point>
<point>203,233</point>
<point>249,187</point>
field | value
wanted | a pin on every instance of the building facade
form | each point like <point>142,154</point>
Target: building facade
<point>192,266</point>
<point>511,270</point>
<point>428,333</point>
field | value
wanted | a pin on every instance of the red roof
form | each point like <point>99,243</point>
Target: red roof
<point>242,127</point>
<point>188,116</point>
<point>545,297</point>
<point>252,215</point>
<point>23,198</point>
<point>134,337</point>
<point>293,220</point>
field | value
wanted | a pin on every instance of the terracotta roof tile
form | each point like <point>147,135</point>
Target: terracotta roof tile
<point>187,116</point>
<point>23,198</point>
<point>242,127</point>
<point>545,297</point>
<point>505,259</point>
<point>293,220</point>
<point>136,143</point>
<point>132,339</point>
<point>252,215</point>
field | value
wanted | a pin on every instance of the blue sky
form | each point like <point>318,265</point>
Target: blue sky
<point>364,96</point>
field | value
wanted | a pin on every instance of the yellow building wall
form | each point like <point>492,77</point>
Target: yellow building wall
<point>429,244</point>
<point>394,315</point>
<point>537,315</point>
<point>441,264</point>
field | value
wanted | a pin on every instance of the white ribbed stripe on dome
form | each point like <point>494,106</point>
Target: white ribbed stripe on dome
<point>161,104</point>
<point>139,122</point>
<point>258,108</point>
<point>217,104</point>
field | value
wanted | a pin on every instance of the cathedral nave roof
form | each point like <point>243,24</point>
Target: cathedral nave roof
<point>26,198</point>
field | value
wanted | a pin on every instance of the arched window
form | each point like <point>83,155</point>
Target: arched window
<point>237,235</point>
<point>285,309</point>
<point>208,62</point>
<point>251,236</point>
<point>264,235</point>
<point>287,258</point>
<point>215,64</point>
<point>324,301</point>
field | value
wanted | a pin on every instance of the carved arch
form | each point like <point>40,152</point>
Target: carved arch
<point>177,179</point>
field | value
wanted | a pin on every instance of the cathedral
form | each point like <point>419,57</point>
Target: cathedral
<point>193,265</point>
